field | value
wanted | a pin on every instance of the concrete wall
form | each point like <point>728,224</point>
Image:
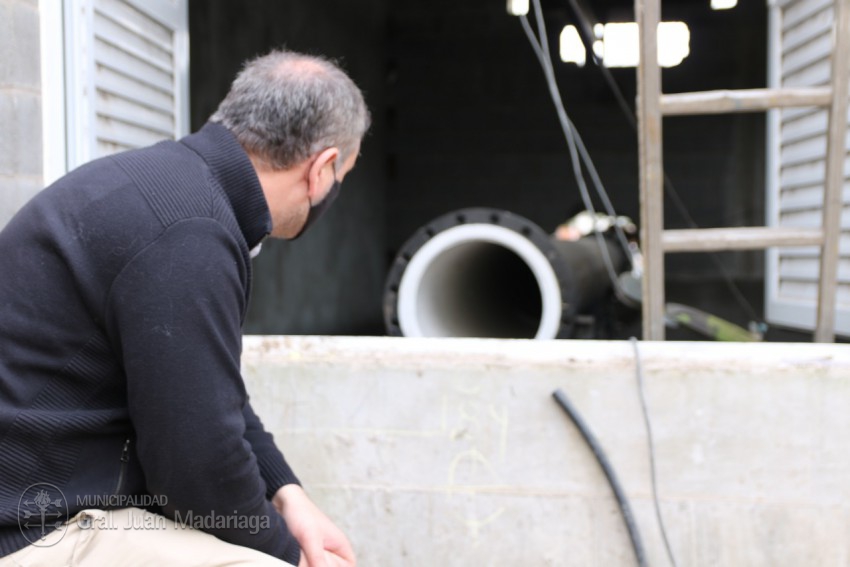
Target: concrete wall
<point>20,105</point>
<point>451,452</point>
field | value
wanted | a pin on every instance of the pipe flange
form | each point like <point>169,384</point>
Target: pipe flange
<point>417,304</point>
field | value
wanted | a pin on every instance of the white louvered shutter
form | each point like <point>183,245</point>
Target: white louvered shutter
<point>800,56</point>
<point>126,75</point>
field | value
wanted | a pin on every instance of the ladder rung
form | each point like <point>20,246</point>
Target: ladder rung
<point>747,100</point>
<point>743,238</point>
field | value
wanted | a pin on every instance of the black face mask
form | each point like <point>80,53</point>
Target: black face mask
<point>316,211</point>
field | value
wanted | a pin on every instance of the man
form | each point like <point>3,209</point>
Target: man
<point>123,288</point>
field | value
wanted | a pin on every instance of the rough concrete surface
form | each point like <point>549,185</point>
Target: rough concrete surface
<point>452,452</point>
<point>20,105</point>
<point>14,194</point>
<point>19,44</point>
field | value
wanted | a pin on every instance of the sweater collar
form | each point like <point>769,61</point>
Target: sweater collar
<point>231,167</point>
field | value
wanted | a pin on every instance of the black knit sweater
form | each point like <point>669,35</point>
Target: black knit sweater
<point>123,288</point>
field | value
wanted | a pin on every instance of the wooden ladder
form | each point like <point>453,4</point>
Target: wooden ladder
<point>652,106</point>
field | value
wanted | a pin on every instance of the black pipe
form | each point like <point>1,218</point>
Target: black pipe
<point>485,288</point>
<point>602,459</point>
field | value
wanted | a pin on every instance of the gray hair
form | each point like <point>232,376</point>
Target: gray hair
<point>284,106</point>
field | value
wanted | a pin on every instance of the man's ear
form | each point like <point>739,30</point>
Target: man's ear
<point>320,172</point>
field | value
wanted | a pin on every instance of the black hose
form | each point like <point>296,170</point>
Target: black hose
<point>622,501</point>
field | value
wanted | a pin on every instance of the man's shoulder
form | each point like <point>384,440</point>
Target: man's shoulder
<point>164,154</point>
<point>116,205</point>
<point>136,191</point>
<point>174,180</point>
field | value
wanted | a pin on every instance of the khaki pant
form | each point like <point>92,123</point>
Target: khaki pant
<point>130,537</point>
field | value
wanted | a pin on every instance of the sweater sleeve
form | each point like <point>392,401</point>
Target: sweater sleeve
<point>273,467</point>
<point>174,312</point>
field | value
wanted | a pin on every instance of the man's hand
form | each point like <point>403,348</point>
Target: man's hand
<point>322,543</point>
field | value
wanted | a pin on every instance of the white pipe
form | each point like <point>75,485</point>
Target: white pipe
<point>447,289</point>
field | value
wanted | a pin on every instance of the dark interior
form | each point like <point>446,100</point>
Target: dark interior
<point>462,117</point>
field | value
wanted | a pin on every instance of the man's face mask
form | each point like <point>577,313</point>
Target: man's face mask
<point>317,210</point>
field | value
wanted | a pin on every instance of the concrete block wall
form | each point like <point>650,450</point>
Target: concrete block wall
<point>20,105</point>
<point>452,452</point>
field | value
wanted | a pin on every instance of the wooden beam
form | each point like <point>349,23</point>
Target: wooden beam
<point>648,14</point>
<point>835,152</point>
<point>741,238</point>
<point>747,100</point>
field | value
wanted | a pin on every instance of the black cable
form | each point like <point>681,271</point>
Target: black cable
<point>587,39</point>
<point>541,49</point>
<point>669,188</point>
<point>730,283</point>
<point>648,423</point>
<point>602,459</point>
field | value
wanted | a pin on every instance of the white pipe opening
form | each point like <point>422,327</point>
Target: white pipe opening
<point>479,280</point>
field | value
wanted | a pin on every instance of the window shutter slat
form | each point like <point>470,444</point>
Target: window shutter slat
<point>801,49</point>
<point>129,66</point>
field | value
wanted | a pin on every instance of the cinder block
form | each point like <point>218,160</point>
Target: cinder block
<point>20,133</point>
<point>14,194</point>
<point>20,59</point>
